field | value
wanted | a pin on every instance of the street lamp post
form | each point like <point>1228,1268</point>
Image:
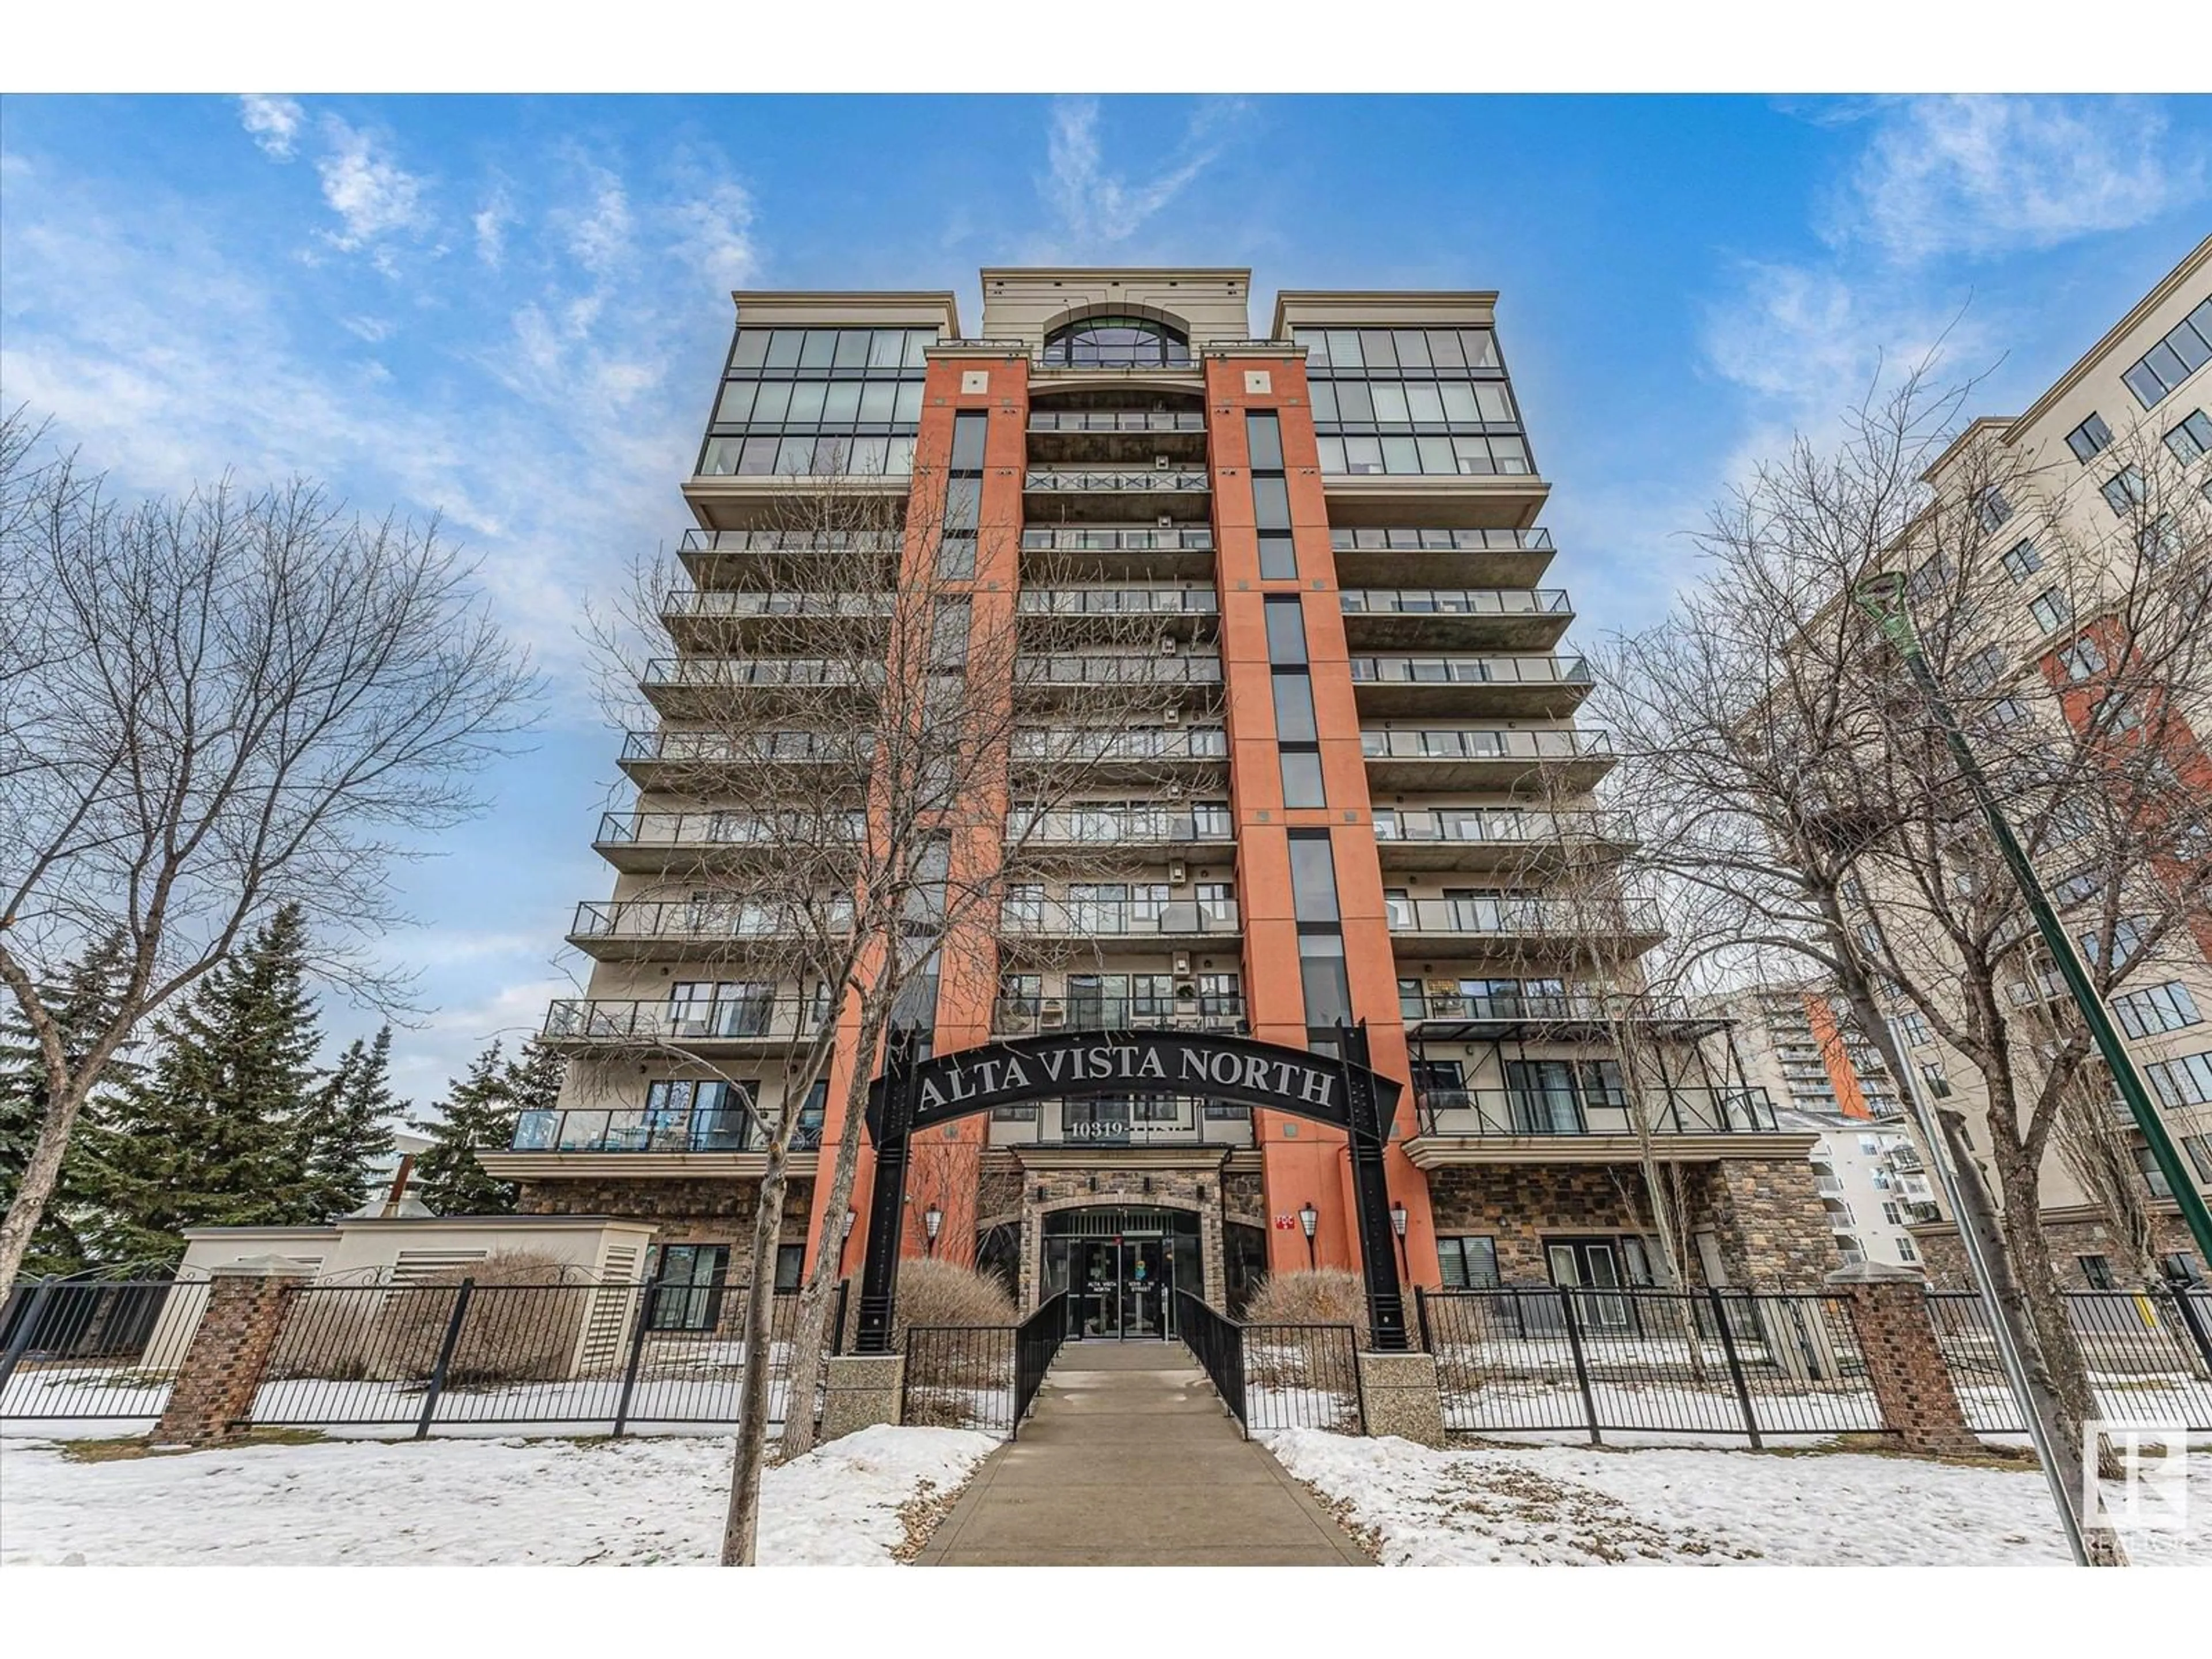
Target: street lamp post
<point>932,1219</point>
<point>1309,1218</point>
<point>1882,598</point>
<point>1398,1226</point>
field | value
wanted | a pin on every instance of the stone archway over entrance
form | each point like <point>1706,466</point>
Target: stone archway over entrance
<point>1340,1090</point>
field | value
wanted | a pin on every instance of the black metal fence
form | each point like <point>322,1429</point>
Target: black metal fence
<point>961,1376</point>
<point>1276,1376</point>
<point>1035,1345</point>
<point>1736,1364</point>
<point>2148,1354</point>
<point>93,1351</point>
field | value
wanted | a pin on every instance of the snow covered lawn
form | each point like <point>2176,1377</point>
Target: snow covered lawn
<point>633,1502</point>
<point>1563,1504</point>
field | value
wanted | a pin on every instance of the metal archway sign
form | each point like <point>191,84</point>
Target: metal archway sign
<point>1341,1091</point>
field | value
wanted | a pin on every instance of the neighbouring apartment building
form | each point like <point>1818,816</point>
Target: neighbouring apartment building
<point>2138,402</point>
<point>1378,786</point>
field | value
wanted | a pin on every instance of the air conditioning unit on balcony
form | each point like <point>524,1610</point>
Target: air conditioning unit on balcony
<point>1178,872</point>
<point>1162,463</point>
<point>1167,520</point>
<point>1052,1012</point>
<point>1167,645</point>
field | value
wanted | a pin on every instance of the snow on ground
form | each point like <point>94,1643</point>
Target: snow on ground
<point>1564,1504</point>
<point>633,1502</point>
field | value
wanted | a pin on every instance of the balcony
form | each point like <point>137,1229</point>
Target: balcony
<point>1569,762</point>
<point>1479,1126</point>
<point>1100,495</point>
<point>1392,556</point>
<point>1443,1013</point>
<point>1515,688</point>
<point>768,558</point>
<point>666,759</point>
<point>668,929</point>
<point>1177,921</point>
<point>1051,615</point>
<point>1503,929</point>
<point>1488,500</point>
<point>1828,1186</point>
<point>1121,552</point>
<point>745,1024</point>
<point>641,843</point>
<point>1117,436</point>
<point>1466,838</point>
<point>724,498</point>
<point>1118,755</point>
<point>1483,618</point>
<point>633,1129</point>
<point>1158,830</point>
<point>693,688</point>
<point>1123,1125</point>
<point>717,619</point>
<point>1023,1016</point>
<point>1043,679</point>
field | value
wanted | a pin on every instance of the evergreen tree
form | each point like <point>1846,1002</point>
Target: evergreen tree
<point>480,1112</point>
<point>82,1005</point>
<point>210,1136</point>
<point>344,1127</point>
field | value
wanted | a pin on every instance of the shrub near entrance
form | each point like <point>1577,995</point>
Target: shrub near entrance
<point>1282,1348</point>
<point>945,1365</point>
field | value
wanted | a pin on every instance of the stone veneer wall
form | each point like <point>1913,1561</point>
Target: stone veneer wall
<point>1764,1212</point>
<point>1945,1261</point>
<point>1172,1189</point>
<point>692,1212</point>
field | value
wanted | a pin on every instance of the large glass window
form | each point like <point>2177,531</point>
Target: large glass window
<point>1116,342</point>
<point>842,400</point>
<point>2186,350</point>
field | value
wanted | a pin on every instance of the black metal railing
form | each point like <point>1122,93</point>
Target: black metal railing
<point>1210,1012</point>
<point>961,1376</point>
<point>1276,1376</point>
<point>1565,1007</point>
<point>1116,480</point>
<point>1036,1343</point>
<point>696,673</point>
<point>2148,1354</point>
<point>697,919</point>
<point>659,1020</point>
<point>1749,1364</point>
<point>727,829</point>
<point>1480,1113</point>
<point>760,749</point>
<point>95,1350</point>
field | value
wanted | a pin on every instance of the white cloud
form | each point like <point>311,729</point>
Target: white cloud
<point>275,122</point>
<point>370,329</point>
<point>1986,175</point>
<point>490,223</point>
<point>373,195</point>
<point>598,232</point>
<point>714,236</point>
<point>1095,207</point>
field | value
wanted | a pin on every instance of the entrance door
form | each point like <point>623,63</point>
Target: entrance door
<point>1144,1287</point>
<point>686,1293</point>
<point>1097,1287</point>
<point>1581,1267</point>
<point>1122,1288</point>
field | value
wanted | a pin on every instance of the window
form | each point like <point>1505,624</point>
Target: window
<point>2155,1008</point>
<point>2124,491</point>
<point>2199,1148</point>
<point>2081,659</point>
<point>1905,1252</point>
<point>2154,1177</point>
<point>2088,440</point>
<point>2192,438</point>
<point>1296,738</point>
<point>1990,507</point>
<point>1313,877</point>
<point>2186,1081</point>
<point>1931,1074</point>
<point>1468,1263</point>
<point>1891,1214</point>
<point>1271,499</point>
<point>2051,609</point>
<point>2076,887</point>
<point>2022,562</point>
<point>1116,342</point>
<point>2096,1271</point>
<point>790,1266</point>
<point>1914,1028</point>
<point>2159,540</point>
<point>2127,941</point>
<point>2172,360</point>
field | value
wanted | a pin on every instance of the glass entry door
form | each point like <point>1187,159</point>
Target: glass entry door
<point>1122,1288</point>
<point>1582,1266</point>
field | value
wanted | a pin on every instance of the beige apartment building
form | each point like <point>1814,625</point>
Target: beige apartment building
<point>1354,805</point>
<point>2129,424</point>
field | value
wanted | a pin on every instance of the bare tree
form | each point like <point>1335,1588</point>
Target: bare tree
<point>1789,780</point>
<point>209,707</point>
<point>860,794</point>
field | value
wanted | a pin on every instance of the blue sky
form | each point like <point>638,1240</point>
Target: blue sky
<point>513,310</point>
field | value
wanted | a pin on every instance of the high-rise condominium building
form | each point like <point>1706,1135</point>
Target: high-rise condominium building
<point>1366,800</point>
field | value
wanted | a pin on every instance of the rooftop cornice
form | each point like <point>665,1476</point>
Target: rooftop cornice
<point>2195,262</point>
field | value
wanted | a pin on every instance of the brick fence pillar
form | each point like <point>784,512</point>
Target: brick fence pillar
<point>1904,1364</point>
<point>246,1304</point>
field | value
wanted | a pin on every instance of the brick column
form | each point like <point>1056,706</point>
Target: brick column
<point>1911,1383</point>
<point>246,1304</point>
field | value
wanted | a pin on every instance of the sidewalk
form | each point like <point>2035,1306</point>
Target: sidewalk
<point>1131,1462</point>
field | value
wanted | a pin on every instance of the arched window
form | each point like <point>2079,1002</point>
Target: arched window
<point>1116,342</point>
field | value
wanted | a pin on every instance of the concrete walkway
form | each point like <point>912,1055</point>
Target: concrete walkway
<point>1130,1461</point>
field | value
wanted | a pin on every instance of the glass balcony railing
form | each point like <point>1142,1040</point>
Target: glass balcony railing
<point>1116,420</point>
<point>1506,917</point>
<point>1447,744</point>
<point>1471,671</point>
<point>1537,1007</point>
<point>1132,670</point>
<point>1083,743</point>
<point>690,602</point>
<point>664,1020</point>
<point>1471,826</point>
<point>1352,540</point>
<point>616,1129</point>
<point>682,919</point>
<point>725,829</point>
<point>1118,539</point>
<point>1134,480</point>
<point>1116,602</point>
<point>1456,601</point>
<point>1107,826</point>
<point>1121,918</point>
<point>788,541</point>
<point>1483,1113</point>
<point>700,672</point>
<point>722,749</point>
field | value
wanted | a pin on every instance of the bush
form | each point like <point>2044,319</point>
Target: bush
<point>523,1321</point>
<point>330,1333</point>
<point>942,1369</point>
<point>1305,1358</point>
